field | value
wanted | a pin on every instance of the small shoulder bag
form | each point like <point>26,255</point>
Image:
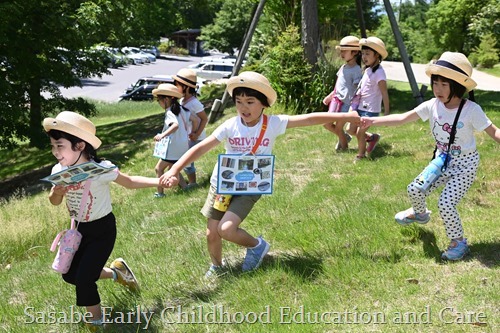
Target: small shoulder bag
<point>69,240</point>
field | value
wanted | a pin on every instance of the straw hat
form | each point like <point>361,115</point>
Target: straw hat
<point>75,124</point>
<point>186,76</point>
<point>167,89</point>
<point>348,43</point>
<point>376,44</point>
<point>454,66</point>
<point>254,81</point>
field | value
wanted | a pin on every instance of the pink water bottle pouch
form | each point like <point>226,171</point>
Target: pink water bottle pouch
<point>335,105</point>
<point>69,241</point>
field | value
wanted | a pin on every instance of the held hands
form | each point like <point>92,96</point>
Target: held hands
<point>169,180</point>
<point>193,136</point>
<point>354,116</point>
<point>366,122</point>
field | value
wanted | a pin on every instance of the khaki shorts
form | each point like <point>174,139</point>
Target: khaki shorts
<point>240,205</point>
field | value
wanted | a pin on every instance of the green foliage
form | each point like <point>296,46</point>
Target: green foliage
<point>285,67</point>
<point>486,55</point>
<point>229,27</point>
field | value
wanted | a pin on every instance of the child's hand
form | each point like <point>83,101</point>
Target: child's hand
<point>327,99</point>
<point>59,190</point>
<point>158,137</point>
<point>366,122</point>
<point>193,136</point>
<point>169,180</point>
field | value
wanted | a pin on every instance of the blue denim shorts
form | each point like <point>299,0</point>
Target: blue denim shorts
<point>367,114</point>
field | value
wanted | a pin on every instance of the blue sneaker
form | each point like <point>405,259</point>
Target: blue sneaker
<point>254,256</point>
<point>456,250</point>
<point>408,217</point>
<point>216,271</point>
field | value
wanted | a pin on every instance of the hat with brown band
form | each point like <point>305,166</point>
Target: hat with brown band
<point>72,123</point>
<point>255,81</point>
<point>348,43</point>
<point>186,76</point>
<point>375,44</point>
<point>454,66</point>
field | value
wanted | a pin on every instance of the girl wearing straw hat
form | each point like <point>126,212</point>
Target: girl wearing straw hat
<point>175,127</point>
<point>348,77</point>
<point>250,132</point>
<point>450,79</point>
<point>185,80</point>
<point>371,94</point>
<point>73,142</point>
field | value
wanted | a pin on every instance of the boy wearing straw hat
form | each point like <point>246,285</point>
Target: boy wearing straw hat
<point>250,132</point>
<point>450,80</point>
<point>348,77</point>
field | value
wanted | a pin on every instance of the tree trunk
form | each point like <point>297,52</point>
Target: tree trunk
<point>310,31</point>
<point>37,138</point>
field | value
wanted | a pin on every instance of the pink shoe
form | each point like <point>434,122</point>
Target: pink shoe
<point>372,143</point>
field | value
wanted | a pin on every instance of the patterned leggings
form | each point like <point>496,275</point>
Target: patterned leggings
<point>457,180</point>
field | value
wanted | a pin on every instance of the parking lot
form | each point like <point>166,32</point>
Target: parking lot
<point>111,86</point>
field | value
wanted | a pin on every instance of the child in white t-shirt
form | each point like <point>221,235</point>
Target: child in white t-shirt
<point>450,79</point>
<point>73,142</point>
<point>176,127</point>
<point>252,94</point>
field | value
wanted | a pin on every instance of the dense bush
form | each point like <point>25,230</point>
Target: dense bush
<point>485,55</point>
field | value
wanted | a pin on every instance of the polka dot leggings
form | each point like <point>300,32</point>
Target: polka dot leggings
<point>457,180</point>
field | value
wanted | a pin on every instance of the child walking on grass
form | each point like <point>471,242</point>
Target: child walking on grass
<point>175,127</point>
<point>371,94</point>
<point>249,131</point>
<point>450,79</point>
<point>348,77</point>
<point>73,141</point>
<point>185,80</point>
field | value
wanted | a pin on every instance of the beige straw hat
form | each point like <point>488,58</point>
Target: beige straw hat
<point>186,76</point>
<point>348,43</point>
<point>167,89</point>
<point>454,66</point>
<point>254,81</point>
<point>74,124</point>
<point>376,44</point>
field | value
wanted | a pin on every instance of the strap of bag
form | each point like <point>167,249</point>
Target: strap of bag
<point>452,134</point>
<point>83,202</point>
<point>261,135</point>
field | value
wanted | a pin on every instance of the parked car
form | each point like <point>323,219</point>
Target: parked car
<point>151,49</point>
<point>214,70</point>
<point>148,57</point>
<point>142,90</point>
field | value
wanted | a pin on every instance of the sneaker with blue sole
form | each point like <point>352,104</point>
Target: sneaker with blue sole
<point>409,216</point>
<point>255,255</point>
<point>456,250</point>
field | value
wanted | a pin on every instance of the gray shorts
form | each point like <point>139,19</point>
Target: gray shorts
<point>240,205</point>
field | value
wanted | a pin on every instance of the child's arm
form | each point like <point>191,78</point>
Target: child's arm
<point>318,118</point>
<point>197,130</point>
<point>134,182</point>
<point>390,120</point>
<point>171,177</point>
<point>171,129</point>
<point>195,120</point>
<point>494,132</point>
<point>56,194</point>
<point>382,85</point>
<point>328,98</point>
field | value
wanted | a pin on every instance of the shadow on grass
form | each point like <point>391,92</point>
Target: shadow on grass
<point>486,253</point>
<point>428,239</point>
<point>307,266</point>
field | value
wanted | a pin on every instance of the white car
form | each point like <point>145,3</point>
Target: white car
<point>148,56</point>
<point>214,71</point>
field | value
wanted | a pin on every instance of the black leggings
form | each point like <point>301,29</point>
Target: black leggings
<point>98,240</point>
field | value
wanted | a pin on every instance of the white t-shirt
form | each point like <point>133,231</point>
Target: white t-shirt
<point>194,106</point>
<point>240,139</point>
<point>99,200</point>
<point>371,96</point>
<point>472,118</point>
<point>179,139</point>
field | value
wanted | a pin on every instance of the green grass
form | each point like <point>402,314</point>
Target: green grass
<point>336,250</point>
<point>492,71</point>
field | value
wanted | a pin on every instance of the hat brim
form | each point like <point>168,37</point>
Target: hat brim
<point>164,92</point>
<point>185,81</point>
<point>451,74</point>
<point>377,48</point>
<point>60,125</point>
<point>236,82</point>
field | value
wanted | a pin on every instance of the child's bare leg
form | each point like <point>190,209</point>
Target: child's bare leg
<point>214,242</point>
<point>95,310</point>
<point>361,136</point>
<point>330,127</point>
<point>229,229</point>
<point>339,131</point>
<point>159,170</point>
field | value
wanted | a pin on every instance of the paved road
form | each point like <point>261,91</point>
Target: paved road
<point>396,71</point>
<point>111,86</point>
